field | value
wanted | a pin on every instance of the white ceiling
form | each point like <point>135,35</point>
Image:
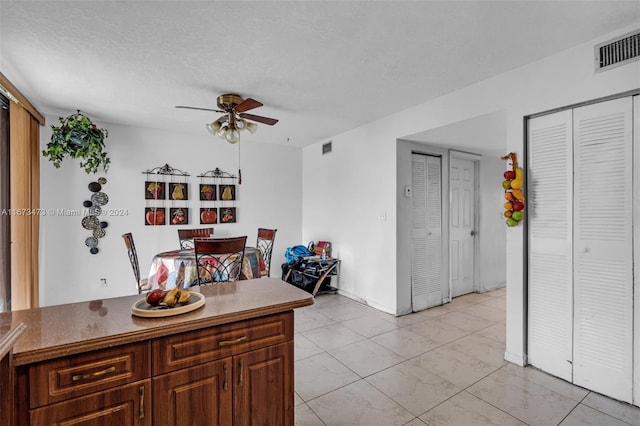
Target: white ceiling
<point>321,67</point>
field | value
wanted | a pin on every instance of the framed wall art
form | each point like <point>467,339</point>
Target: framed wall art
<point>179,215</point>
<point>178,191</point>
<point>228,214</point>
<point>208,192</point>
<point>154,216</point>
<point>208,215</point>
<point>154,190</point>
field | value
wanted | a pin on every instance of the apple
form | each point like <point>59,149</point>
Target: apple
<point>508,195</point>
<point>506,184</point>
<point>508,205</point>
<point>154,297</point>
<point>517,216</point>
<point>508,213</point>
<point>511,222</point>
<point>518,205</point>
<point>509,175</point>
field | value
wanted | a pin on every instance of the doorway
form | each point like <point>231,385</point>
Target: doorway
<point>426,231</point>
<point>462,223</point>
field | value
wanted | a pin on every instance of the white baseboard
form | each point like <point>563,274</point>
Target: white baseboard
<point>517,359</point>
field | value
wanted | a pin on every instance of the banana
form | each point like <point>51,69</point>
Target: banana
<point>517,182</point>
<point>184,296</point>
<point>171,298</point>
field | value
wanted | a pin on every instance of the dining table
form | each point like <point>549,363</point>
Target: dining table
<point>178,268</point>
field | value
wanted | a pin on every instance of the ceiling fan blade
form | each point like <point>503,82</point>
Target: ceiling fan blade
<point>202,109</point>
<point>222,119</point>
<point>247,104</point>
<point>259,119</point>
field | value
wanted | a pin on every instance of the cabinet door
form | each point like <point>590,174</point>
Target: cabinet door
<point>603,248</point>
<point>550,210</point>
<point>200,395</point>
<point>123,406</point>
<point>263,385</point>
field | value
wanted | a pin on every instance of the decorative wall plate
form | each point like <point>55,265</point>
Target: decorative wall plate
<point>91,242</point>
<point>95,187</point>
<point>100,198</point>
<point>99,232</point>
<point>90,222</point>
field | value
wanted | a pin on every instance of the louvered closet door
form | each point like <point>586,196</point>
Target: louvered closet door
<point>549,209</point>
<point>603,248</point>
<point>426,239</point>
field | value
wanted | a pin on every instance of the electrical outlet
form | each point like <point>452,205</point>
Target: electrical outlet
<point>103,282</point>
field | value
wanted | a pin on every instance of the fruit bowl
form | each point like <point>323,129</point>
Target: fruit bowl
<point>143,309</point>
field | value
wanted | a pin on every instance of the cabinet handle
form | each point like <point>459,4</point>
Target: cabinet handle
<point>93,375</point>
<point>233,342</point>
<point>141,413</point>
<point>241,381</point>
<point>226,376</point>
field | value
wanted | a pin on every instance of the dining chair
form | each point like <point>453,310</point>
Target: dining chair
<point>186,236</point>
<point>219,259</point>
<point>141,284</point>
<point>264,243</point>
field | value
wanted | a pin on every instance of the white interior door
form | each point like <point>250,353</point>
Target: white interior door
<point>462,220</point>
<point>603,248</point>
<point>549,209</point>
<point>426,232</point>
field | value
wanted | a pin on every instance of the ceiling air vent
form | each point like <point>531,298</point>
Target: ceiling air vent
<point>326,148</point>
<point>619,51</point>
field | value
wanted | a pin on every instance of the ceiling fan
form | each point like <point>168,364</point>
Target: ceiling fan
<point>235,117</point>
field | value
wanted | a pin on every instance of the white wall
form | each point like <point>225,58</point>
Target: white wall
<point>348,191</point>
<point>269,196</point>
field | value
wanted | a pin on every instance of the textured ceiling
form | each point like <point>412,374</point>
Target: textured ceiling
<point>321,67</point>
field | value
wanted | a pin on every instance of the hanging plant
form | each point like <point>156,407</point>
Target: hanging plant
<point>78,137</point>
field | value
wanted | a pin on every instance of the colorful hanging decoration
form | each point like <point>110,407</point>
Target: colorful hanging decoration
<point>513,191</point>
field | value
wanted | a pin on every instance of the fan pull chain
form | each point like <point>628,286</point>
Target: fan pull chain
<point>239,170</point>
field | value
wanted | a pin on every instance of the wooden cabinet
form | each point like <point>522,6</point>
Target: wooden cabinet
<point>239,373</point>
<point>124,405</point>
<point>110,386</point>
<point>260,378</point>
<point>196,395</point>
<point>246,375</point>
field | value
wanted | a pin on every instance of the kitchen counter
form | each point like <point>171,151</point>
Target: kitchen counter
<point>63,330</point>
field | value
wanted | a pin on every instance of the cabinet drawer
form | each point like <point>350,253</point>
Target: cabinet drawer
<point>187,349</point>
<point>76,375</point>
<point>127,405</point>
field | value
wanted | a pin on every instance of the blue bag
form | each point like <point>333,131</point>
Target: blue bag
<point>294,253</point>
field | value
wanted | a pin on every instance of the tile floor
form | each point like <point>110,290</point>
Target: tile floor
<point>356,365</point>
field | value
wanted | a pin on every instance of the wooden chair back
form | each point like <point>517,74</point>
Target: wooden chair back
<point>219,259</point>
<point>264,243</point>
<point>186,236</point>
<point>141,284</point>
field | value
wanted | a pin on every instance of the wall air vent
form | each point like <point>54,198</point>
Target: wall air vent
<point>326,148</point>
<point>619,51</point>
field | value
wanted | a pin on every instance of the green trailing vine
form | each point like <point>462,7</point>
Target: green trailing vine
<point>78,137</point>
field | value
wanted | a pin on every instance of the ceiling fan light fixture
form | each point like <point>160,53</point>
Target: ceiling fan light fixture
<point>213,128</point>
<point>251,127</point>
<point>232,135</point>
